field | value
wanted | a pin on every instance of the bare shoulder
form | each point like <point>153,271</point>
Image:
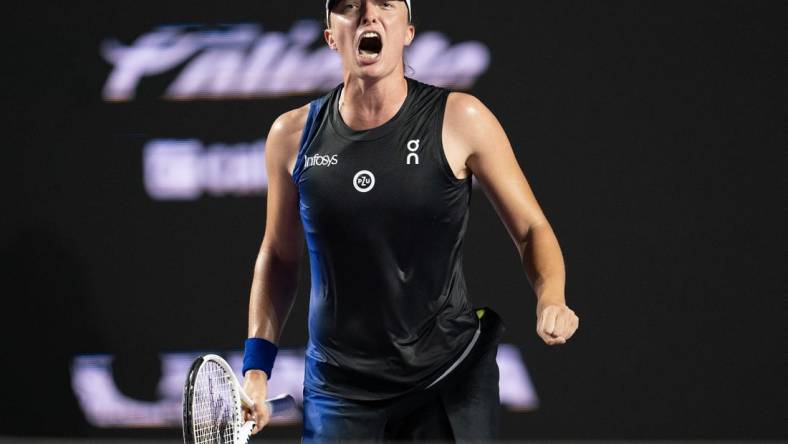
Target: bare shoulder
<point>466,112</point>
<point>289,125</point>
<point>466,124</point>
<point>472,121</point>
<point>464,103</point>
<point>284,137</point>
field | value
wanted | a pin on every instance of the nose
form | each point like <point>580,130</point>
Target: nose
<point>368,13</point>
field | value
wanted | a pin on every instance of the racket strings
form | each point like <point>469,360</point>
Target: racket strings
<point>213,410</point>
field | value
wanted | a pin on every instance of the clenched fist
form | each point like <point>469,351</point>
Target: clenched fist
<point>555,324</point>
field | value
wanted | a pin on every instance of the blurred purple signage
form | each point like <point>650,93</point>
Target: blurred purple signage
<point>242,61</point>
<point>105,406</point>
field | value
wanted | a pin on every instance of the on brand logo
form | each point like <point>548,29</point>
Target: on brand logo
<point>413,146</point>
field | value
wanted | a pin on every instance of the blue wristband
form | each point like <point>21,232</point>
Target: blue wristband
<point>259,354</point>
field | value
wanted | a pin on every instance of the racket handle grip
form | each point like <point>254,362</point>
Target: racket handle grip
<point>282,405</point>
<point>279,406</point>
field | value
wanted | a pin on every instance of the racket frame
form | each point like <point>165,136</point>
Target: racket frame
<point>243,429</point>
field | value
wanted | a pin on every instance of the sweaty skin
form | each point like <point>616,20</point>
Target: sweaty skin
<point>474,142</point>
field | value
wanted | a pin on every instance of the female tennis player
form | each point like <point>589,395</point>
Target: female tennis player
<point>376,177</point>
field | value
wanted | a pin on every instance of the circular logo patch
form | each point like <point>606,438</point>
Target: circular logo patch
<point>364,181</point>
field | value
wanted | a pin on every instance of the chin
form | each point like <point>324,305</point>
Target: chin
<point>373,71</point>
<point>368,73</point>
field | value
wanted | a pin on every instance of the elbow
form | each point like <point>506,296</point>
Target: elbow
<point>269,256</point>
<point>526,236</point>
<point>270,260</point>
<point>282,250</point>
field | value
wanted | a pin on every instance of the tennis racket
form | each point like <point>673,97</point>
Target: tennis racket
<point>212,401</point>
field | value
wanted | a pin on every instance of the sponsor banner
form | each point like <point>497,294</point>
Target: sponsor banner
<point>188,169</point>
<point>104,405</point>
<point>246,61</point>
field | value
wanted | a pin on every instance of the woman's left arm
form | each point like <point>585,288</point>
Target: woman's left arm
<point>473,131</point>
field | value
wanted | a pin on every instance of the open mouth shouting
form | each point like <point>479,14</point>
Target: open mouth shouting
<point>370,46</point>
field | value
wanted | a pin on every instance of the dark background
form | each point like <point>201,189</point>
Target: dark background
<point>653,134</point>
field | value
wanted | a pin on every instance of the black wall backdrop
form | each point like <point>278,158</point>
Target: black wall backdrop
<point>653,134</point>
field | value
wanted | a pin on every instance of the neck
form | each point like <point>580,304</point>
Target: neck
<point>368,103</point>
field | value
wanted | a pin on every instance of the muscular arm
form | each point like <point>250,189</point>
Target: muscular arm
<point>479,138</point>
<point>275,272</point>
<point>276,268</point>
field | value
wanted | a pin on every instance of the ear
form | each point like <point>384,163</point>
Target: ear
<point>329,37</point>
<point>410,34</point>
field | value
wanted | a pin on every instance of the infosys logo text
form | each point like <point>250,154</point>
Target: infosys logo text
<point>320,160</point>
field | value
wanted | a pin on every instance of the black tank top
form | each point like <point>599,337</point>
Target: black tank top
<point>384,219</point>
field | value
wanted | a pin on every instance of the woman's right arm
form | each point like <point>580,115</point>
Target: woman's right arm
<point>276,268</point>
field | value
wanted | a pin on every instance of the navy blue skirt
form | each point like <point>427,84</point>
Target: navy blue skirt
<point>463,407</point>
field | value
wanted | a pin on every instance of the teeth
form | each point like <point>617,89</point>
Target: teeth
<point>366,53</point>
